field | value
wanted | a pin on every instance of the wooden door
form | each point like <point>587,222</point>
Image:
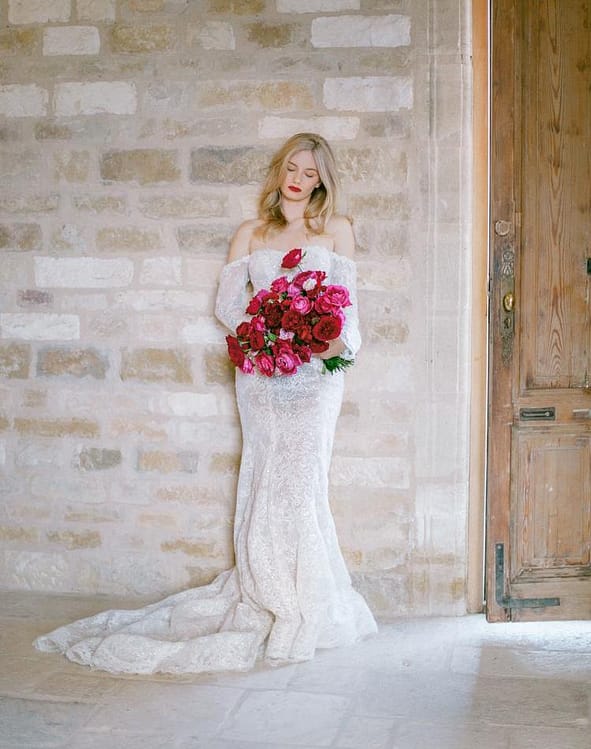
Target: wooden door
<point>539,457</point>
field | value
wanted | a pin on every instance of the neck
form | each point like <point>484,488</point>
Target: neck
<point>293,212</point>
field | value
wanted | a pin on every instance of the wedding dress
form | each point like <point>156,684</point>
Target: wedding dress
<point>289,591</point>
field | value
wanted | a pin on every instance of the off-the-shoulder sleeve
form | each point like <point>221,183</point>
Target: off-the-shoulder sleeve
<point>344,273</point>
<point>232,297</point>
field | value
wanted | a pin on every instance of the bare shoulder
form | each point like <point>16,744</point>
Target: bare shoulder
<point>340,228</point>
<point>241,241</point>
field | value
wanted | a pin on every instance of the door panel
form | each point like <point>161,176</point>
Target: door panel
<point>539,476</point>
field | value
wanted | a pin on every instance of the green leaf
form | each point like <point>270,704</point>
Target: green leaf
<point>336,364</point>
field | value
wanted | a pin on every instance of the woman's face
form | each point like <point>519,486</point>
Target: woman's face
<point>301,177</point>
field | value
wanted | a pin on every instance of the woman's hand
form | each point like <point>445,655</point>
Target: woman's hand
<point>335,348</point>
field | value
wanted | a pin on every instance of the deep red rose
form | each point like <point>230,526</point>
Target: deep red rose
<point>318,347</point>
<point>258,323</point>
<point>234,351</point>
<point>303,352</point>
<point>255,303</point>
<point>327,328</point>
<point>243,330</point>
<point>293,258</point>
<point>305,333</point>
<point>291,320</point>
<point>257,340</point>
<point>272,313</point>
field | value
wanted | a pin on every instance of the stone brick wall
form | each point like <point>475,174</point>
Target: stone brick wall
<point>133,138</point>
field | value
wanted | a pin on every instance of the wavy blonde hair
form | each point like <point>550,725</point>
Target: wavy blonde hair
<point>322,201</point>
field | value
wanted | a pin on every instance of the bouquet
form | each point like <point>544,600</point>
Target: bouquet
<point>289,322</point>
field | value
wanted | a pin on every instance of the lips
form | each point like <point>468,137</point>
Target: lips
<point>293,188</point>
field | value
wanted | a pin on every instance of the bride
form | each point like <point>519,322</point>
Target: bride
<point>289,592</point>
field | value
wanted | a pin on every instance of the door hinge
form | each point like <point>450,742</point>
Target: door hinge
<point>506,601</point>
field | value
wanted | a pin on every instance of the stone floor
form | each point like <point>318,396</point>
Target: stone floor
<point>418,684</point>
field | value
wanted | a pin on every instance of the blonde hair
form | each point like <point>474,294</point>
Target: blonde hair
<point>322,201</point>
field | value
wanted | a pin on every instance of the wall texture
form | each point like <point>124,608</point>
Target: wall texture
<point>133,138</point>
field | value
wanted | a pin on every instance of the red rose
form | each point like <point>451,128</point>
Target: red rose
<point>303,352</point>
<point>257,340</point>
<point>272,313</point>
<point>265,364</point>
<point>318,347</point>
<point>291,320</point>
<point>256,302</point>
<point>323,305</point>
<point>243,330</point>
<point>234,351</point>
<point>327,328</point>
<point>293,258</point>
<point>305,333</point>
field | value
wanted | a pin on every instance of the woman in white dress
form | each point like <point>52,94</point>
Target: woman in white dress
<point>289,592</point>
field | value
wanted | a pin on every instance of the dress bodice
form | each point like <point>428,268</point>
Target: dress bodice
<point>264,265</point>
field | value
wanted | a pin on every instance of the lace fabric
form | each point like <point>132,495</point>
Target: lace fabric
<point>289,591</point>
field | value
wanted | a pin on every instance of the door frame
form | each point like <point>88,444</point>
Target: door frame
<point>475,578</point>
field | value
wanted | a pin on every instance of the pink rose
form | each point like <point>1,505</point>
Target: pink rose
<point>258,323</point>
<point>280,285</point>
<point>247,366</point>
<point>265,364</point>
<point>287,360</point>
<point>293,258</point>
<point>327,328</point>
<point>338,296</point>
<point>301,304</point>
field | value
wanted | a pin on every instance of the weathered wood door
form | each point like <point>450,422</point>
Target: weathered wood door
<point>539,460</point>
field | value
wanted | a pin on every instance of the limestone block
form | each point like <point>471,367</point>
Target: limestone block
<point>268,35</point>
<point>369,94</point>
<point>214,35</point>
<point>160,301</point>
<point>29,203</point>
<point>161,271</point>
<point>237,7</point>
<point>52,131</point>
<point>2,454</point>
<point>96,10</point>
<point>316,6</point>
<point>382,206</point>
<point>71,40</point>
<point>71,237</point>
<point>15,360</point>
<point>19,534</point>
<point>96,97</point>
<point>373,165</point>
<point>134,38</point>
<point>227,464</point>
<point>100,203</point>
<point>142,165</point>
<point>20,237</point>
<point>146,6</point>
<point>228,165</point>
<point>189,405</point>
<point>331,128</point>
<point>39,326</point>
<point>204,205</point>
<point>127,239</point>
<point>60,362</point>
<point>257,95</point>
<point>18,41</point>
<point>203,272</point>
<point>34,298</point>
<point>361,31</point>
<point>4,423</point>
<point>203,330</point>
<point>38,11</point>
<point>168,462</point>
<point>27,100</point>
<point>83,272</point>
<point>71,166</point>
<point>83,428</point>
<point>97,459</point>
<point>156,365</point>
<point>42,452</point>
<point>75,540</point>
<point>204,238</point>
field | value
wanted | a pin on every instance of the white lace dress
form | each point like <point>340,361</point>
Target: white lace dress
<point>289,591</point>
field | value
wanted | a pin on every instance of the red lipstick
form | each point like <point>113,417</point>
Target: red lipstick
<point>293,188</point>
